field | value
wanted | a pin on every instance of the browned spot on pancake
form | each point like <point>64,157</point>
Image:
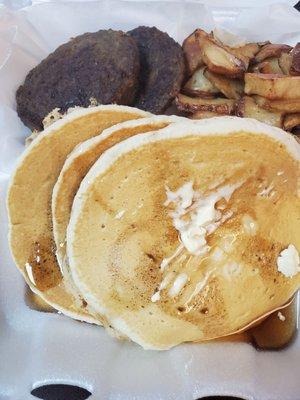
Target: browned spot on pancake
<point>151,256</point>
<point>144,279</point>
<point>262,254</point>
<point>83,303</point>
<point>45,270</point>
<point>207,309</point>
<point>102,203</point>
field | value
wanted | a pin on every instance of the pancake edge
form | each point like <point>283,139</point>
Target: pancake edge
<point>220,126</point>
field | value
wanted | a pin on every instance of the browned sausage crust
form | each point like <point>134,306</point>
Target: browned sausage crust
<point>103,65</point>
<point>162,68</point>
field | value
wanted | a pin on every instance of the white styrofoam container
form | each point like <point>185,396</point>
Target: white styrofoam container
<point>40,348</point>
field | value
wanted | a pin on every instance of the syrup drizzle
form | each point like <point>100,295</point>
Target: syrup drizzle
<point>42,267</point>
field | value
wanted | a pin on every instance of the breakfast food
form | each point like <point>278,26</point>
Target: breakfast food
<point>272,86</point>
<point>295,60</point>
<point>207,235</point>
<point>29,202</point>
<point>247,107</point>
<point>78,164</point>
<point>199,85</point>
<point>219,105</point>
<point>101,67</point>
<point>163,229</point>
<point>261,79</point>
<point>162,69</point>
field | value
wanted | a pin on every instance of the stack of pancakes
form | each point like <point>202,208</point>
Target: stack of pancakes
<point>164,229</point>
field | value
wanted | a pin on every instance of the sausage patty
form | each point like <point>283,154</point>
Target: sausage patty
<point>162,68</point>
<point>103,65</point>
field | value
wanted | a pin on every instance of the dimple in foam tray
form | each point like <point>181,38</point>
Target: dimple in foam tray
<point>38,348</point>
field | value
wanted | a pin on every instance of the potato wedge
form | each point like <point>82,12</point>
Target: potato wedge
<point>269,66</point>
<point>192,53</point>
<point>271,50</point>
<point>295,67</point>
<point>291,121</point>
<point>235,44</point>
<point>247,107</point>
<point>272,86</point>
<point>285,62</point>
<point>199,85</point>
<point>205,114</point>
<point>227,38</point>
<point>249,50</point>
<point>218,105</point>
<point>261,44</point>
<point>286,106</point>
<point>231,88</point>
<point>218,58</point>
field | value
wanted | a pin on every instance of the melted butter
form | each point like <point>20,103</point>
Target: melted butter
<point>217,254</point>
<point>197,215</point>
<point>227,242</point>
<point>198,288</point>
<point>166,261</point>
<point>231,269</point>
<point>288,261</point>
<point>164,283</point>
<point>42,268</point>
<point>249,224</point>
<point>266,191</point>
<point>178,285</point>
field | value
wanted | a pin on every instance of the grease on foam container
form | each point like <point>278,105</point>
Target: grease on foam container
<point>195,216</point>
<point>288,261</point>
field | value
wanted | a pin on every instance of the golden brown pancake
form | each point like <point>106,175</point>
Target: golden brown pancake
<point>80,161</point>
<point>190,233</point>
<point>77,165</point>
<point>29,201</point>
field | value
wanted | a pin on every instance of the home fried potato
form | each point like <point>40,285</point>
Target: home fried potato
<point>272,86</point>
<point>247,107</point>
<point>271,50</point>
<point>269,66</point>
<point>198,85</point>
<point>249,50</point>
<point>287,106</point>
<point>235,44</point>
<point>295,65</point>
<point>192,53</point>
<point>265,42</point>
<point>231,88</point>
<point>227,38</point>
<point>258,80</point>
<point>218,59</point>
<point>285,62</point>
<point>217,105</point>
<point>291,121</point>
